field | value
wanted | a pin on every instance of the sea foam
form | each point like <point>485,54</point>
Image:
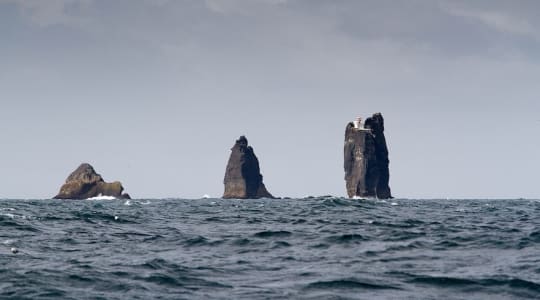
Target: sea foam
<point>100,197</point>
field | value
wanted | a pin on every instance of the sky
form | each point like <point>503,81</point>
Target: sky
<point>154,93</point>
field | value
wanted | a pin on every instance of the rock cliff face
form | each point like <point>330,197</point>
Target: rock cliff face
<point>243,179</point>
<point>85,183</point>
<point>366,159</point>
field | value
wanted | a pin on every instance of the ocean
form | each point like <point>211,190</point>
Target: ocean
<point>313,248</point>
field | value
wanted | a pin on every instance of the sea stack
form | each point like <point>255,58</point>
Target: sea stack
<point>366,159</point>
<point>84,183</point>
<point>243,179</point>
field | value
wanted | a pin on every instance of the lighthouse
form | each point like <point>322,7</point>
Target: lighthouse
<point>358,123</point>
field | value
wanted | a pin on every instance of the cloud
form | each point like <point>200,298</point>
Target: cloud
<point>278,28</point>
<point>49,12</point>
<point>239,6</point>
<point>501,21</point>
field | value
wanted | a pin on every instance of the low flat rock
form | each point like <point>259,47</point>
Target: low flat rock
<point>84,183</point>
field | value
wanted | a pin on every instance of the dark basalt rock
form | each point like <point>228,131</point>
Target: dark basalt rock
<point>366,159</point>
<point>243,179</point>
<point>85,183</point>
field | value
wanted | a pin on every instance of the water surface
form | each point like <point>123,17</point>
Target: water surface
<point>319,248</point>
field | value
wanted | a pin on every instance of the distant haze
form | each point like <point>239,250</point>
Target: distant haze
<point>154,93</point>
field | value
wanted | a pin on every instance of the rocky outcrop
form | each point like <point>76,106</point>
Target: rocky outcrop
<point>243,179</point>
<point>85,183</point>
<point>366,159</point>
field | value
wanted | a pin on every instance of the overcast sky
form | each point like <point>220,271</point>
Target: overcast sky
<point>154,93</point>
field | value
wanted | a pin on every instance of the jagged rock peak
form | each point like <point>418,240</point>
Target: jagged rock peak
<point>85,182</point>
<point>243,179</point>
<point>85,173</point>
<point>242,141</point>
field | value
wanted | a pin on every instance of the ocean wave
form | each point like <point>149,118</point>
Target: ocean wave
<point>346,238</point>
<point>272,234</point>
<point>349,283</point>
<point>446,281</point>
<point>281,244</point>
<point>199,241</point>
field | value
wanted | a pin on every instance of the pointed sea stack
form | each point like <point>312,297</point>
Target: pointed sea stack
<point>366,159</point>
<point>85,183</point>
<point>243,179</point>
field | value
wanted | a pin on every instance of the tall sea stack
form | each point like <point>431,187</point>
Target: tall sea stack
<point>243,179</point>
<point>366,159</point>
<point>84,183</point>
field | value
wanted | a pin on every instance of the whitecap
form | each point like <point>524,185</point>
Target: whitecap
<point>100,197</point>
<point>8,242</point>
<point>128,202</point>
<point>394,203</point>
<point>206,196</point>
<point>363,198</point>
<point>8,215</point>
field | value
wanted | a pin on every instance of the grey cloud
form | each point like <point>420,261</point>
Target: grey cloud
<point>240,6</point>
<point>50,12</point>
<point>449,28</point>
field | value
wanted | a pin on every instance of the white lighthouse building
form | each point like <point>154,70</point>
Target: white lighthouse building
<point>358,123</point>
